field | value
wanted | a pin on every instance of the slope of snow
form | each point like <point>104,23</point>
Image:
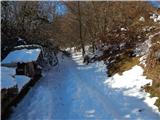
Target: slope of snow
<point>23,55</point>
<point>7,80</point>
<point>143,49</point>
<point>73,91</point>
<point>8,70</point>
<point>131,82</point>
<point>21,80</point>
<point>98,53</point>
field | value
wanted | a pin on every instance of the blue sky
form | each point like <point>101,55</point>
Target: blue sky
<point>155,3</point>
<point>61,9</point>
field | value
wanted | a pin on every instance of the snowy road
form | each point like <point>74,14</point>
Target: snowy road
<point>76,91</point>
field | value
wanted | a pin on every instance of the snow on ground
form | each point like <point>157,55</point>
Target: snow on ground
<point>155,17</point>
<point>123,29</point>
<point>142,19</point>
<point>21,80</point>
<point>7,80</point>
<point>23,55</point>
<point>143,49</point>
<point>73,90</point>
<point>131,83</point>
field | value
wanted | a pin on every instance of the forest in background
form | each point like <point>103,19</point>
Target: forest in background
<point>77,24</point>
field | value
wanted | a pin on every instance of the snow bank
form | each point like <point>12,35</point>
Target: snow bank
<point>129,79</point>
<point>155,17</point>
<point>123,29</point>
<point>98,53</point>
<point>23,55</point>
<point>21,81</point>
<point>7,80</point>
<point>143,49</point>
<point>142,19</point>
<point>7,70</point>
<point>131,83</point>
<point>143,60</point>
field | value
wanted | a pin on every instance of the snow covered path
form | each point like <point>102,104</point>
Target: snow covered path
<point>76,91</point>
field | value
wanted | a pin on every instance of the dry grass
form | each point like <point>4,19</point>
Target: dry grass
<point>152,70</point>
<point>155,92</point>
<point>122,64</point>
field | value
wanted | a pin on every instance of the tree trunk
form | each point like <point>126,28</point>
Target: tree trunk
<point>80,30</point>
<point>93,46</point>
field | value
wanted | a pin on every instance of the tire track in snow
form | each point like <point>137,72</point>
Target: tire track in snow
<point>73,88</point>
<point>101,98</point>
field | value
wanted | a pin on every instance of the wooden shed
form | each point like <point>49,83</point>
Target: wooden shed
<point>8,87</point>
<point>26,59</point>
<point>13,88</point>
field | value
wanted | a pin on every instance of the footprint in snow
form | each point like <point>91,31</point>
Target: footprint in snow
<point>140,110</point>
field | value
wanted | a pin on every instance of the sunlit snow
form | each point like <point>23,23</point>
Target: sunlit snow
<point>73,90</point>
<point>23,55</point>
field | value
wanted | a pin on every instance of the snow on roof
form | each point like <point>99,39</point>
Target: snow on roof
<point>27,46</point>
<point>7,80</point>
<point>22,56</point>
<point>21,81</point>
